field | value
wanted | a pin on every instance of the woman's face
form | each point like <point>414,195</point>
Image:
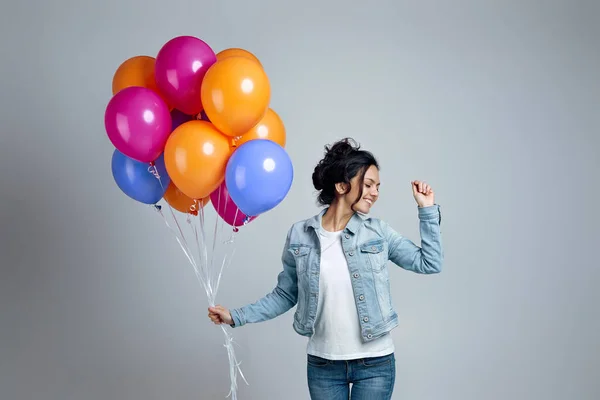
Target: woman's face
<point>370,192</point>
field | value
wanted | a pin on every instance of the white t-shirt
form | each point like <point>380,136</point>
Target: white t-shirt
<point>337,329</point>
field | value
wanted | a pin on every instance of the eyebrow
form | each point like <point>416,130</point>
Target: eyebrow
<point>369,179</point>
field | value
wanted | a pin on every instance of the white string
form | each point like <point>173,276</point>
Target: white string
<point>204,272</point>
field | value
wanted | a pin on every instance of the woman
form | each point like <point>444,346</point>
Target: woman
<point>335,271</point>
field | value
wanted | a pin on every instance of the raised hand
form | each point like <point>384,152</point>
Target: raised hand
<point>423,193</point>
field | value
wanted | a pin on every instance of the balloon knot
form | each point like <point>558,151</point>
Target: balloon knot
<point>154,171</point>
<point>194,207</point>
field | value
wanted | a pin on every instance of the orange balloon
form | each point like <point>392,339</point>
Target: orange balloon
<point>136,71</point>
<point>196,156</point>
<point>179,201</point>
<point>237,52</point>
<point>235,94</point>
<point>270,127</point>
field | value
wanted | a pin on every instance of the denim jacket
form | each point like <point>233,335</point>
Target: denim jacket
<point>368,244</point>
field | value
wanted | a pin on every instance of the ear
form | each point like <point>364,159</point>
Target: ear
<point>341,188</point>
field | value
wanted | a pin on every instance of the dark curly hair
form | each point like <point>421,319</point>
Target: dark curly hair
<point>343,161</point>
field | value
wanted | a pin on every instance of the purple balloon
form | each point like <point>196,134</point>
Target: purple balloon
<point>138,123</point>
<point>179,118</point>
<point>179,70</point>
<point>226,208</point>
<point>203,116</point>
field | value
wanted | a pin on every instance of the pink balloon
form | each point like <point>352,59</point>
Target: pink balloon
<point>226,208</point>
<point>138,123</point>
<point>179,70</point>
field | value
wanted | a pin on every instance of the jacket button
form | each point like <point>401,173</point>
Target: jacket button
<point>296,251</point>
<point>356,275</point>
<point>369,336</point>
<point>361,297</point>
<point>347,236</point>
<point>373,248</point>
<point>366,319</point>
<point>351,253</point>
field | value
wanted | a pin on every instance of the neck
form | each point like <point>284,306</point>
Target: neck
<point>336,217</point>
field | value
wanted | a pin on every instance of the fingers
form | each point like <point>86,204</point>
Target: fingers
<point>421,187</point>
<point>217,310</point>
<point>216,319</point>
<point>216,314</point>
<point>413,185</point>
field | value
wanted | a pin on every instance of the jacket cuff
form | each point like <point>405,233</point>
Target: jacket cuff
<point>430,212</point>
<point>238,318</point>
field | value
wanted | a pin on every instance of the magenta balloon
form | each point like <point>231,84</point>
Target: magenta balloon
<point>226,208</point>
<point>179,70</point>
<point>138,123</point>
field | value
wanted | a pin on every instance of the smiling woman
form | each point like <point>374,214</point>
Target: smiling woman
<point>335,272</point>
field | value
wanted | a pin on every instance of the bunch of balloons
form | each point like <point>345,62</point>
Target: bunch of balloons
<point>191,127</point>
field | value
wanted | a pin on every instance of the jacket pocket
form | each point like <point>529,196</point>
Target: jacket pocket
<point>376,253</point>
<point>300,253</point>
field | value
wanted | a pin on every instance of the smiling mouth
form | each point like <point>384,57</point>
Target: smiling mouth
<point>369,201</point>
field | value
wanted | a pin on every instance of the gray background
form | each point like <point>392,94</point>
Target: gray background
<point>495,104</point>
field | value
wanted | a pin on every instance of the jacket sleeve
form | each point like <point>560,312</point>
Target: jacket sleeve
<point>281,299</point>
<point>428,258</point>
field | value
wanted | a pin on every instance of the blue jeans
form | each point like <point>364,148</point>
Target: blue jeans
<point>371,378</point>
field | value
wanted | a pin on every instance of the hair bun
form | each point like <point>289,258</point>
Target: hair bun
<point>342,148</point>
<point>335,156</point>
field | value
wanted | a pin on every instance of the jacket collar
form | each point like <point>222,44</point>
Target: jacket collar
<point>352,226</point>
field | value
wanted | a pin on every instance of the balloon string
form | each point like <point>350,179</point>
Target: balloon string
<point>203,274</point>
<point>181,239</point>
<point>154,171</point>
<point>215,234</point>
<point>202,255</point>
<point>184,247</point>
<point>234,365</point>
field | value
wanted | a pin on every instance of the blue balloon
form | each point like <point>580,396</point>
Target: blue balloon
<point>258,176</point>
<point>137,181</point>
